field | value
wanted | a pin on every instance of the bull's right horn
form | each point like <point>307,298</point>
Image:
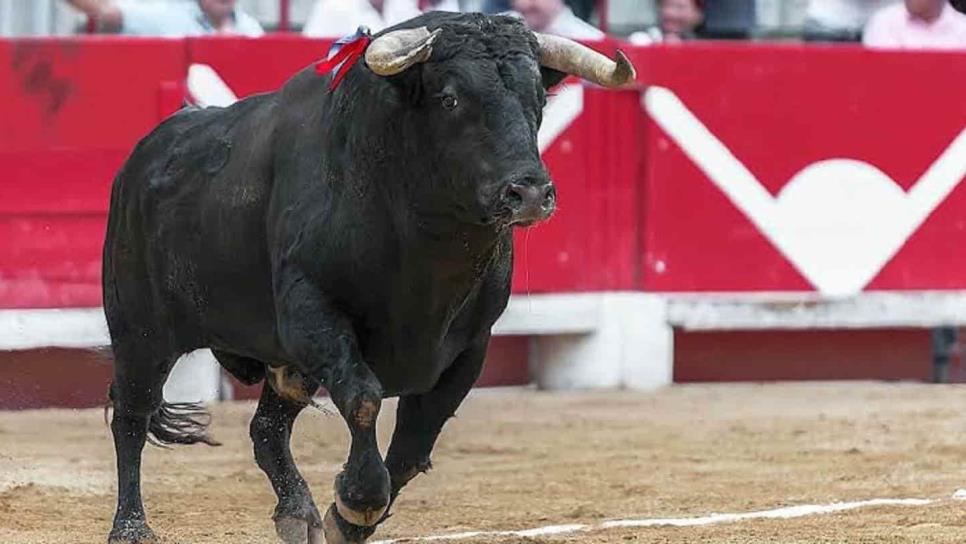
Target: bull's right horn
<point>395,51</point>
<point>570,57</point>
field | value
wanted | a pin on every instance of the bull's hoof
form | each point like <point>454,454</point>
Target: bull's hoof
<point>133,531</point>
<point>297,520</point>
<point>334,533</point>
<point>362,501</point>
<point>364,517</point>
<point>297,531</point>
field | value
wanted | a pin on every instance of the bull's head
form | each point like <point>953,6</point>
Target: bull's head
<point>473,89</point>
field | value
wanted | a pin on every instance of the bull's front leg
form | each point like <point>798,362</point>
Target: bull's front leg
<point>324,343</point>
<point>419,420</point>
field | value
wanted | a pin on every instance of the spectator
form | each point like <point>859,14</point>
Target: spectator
<point>554,17</point>
<point>678,21</point>
<point>917,24</point>
<point>728,19</point>
<point>170,19</point>
<point>581,8</point>
<point>495,6</point>
<point>337,18</point>
<point>839,20</point>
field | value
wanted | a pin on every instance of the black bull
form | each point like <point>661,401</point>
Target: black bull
<point>357,239</point>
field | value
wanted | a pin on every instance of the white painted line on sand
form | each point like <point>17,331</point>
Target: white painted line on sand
<point>960,495</point>
<point>539,531</point>
<point>776,513</point>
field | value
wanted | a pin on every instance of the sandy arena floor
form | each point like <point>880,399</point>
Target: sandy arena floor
<point>519,459</point>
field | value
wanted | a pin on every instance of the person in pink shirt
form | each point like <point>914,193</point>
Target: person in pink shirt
<point>917,24</point>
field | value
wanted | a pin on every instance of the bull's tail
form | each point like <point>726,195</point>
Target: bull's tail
<point>174,423</point>
<point>180,423</point>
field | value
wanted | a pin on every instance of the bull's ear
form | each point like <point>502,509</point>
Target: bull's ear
<point>551,77</point>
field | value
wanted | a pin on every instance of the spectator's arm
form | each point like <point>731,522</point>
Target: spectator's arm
<point>104,13</point>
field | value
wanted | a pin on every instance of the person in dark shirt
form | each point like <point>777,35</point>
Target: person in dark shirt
<point>728,20</point>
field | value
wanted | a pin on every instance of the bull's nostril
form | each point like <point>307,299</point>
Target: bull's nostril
<point>529,202</point>
<point>514,196</point>
<point>549,196</point>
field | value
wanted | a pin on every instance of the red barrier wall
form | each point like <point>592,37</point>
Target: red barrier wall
<point>74,108</point>
<point>71,110</point>
<point>841,144</point>
<point>728,356</point>
<point>42,378</point>
<point>591,242</point>
<point>778,111</point>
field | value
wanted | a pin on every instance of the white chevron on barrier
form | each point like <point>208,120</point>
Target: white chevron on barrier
<point>207,88</point>
<point>837,221</point>
<point>563,108</point>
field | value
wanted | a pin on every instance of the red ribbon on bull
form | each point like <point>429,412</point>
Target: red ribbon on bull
<point>344,53</point>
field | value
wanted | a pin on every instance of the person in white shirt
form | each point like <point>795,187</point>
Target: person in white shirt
<point>554,17</point>
<point>839,20</point>
<point>917,24</point>
<point>337,18</point>
<point>170,19</point>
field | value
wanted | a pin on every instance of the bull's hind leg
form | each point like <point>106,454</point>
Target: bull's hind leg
<point>141,413</point>
<point>136,395</point>
<point>130,526</point>
<point>297,519</point>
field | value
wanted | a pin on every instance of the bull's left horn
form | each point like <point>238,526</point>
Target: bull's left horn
<point>396,51</point>
<point>570,57</point>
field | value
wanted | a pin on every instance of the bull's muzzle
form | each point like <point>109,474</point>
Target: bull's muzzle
<point>530,202</point>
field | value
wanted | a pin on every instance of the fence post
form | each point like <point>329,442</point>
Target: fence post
<point>284,21</point>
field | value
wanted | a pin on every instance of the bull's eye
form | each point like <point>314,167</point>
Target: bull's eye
<point>450,102</point>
